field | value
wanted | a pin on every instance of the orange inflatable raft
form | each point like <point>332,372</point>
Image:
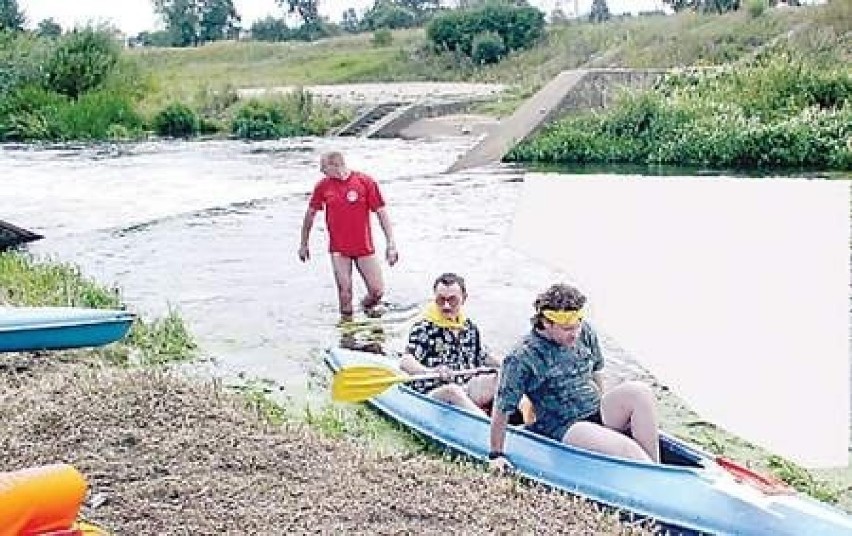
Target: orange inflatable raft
<point>43,501</point>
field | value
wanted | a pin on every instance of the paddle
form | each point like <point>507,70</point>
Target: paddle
<point>361,382</point>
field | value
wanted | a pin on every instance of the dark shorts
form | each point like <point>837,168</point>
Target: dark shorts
<point>560,432</point>
<point>594,417</point>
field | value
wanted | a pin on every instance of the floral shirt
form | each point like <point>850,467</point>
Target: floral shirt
<point>432,346</point>
<point>557,380</point>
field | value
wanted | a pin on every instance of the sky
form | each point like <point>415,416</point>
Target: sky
<point>134,16</point>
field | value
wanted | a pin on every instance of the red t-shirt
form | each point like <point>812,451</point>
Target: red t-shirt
<point>347,205</point>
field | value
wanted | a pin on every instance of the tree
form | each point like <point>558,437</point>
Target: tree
<point>161,38</point>
<point>384,14</point>
<point>307,10</point>
<point>219,20</point>
<point>191,22</point>
<point>349,21</point>
<point>709,6</point>
<point>599,12</point>
<point>182,18</point>
<point>270,29</point>
<point>49,28</point>
<point>11,17</point>
<point>421,8</point>
<point>313,27</point>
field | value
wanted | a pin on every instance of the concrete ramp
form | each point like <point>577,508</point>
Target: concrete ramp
<point>571,91</point>
<point>529,117</point>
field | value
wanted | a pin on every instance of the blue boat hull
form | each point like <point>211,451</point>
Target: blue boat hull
<point>695,496</point>
<point>59,328</point>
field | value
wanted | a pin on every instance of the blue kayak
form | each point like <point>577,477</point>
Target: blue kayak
<point>691,492</point>
<point>58,328</point>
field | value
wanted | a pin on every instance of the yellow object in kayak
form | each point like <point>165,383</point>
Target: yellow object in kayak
<point>41,501</point>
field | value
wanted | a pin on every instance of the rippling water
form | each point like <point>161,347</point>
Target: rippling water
<point>212,228</point>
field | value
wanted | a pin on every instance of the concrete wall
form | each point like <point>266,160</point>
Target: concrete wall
<point>569,92</point>
<point>411,114</point>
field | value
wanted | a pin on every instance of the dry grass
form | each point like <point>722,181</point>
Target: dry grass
<point>174,457</point>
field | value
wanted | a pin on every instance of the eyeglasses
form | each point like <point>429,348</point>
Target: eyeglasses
<point>452,301</point>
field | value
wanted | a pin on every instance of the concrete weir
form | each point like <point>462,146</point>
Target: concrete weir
<point>578,89</point>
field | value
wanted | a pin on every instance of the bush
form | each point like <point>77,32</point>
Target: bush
<point>294,114</point>
<point>389,16</point>
<point>518,27</point>
<point>98,113</point>
<point>257,120</point>
<point>82,61</point>
<point>487,48</point>
<point>34,113</point>
<point>777,112</point>
<point>756,8</point>
<point>176,120</point>
<point>31,113</point>
<point>382,38</point>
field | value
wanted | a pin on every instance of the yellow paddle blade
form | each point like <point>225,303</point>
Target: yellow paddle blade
<point>361,382</point>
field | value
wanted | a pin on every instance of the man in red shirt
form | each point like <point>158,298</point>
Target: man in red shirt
<point>348,197</point>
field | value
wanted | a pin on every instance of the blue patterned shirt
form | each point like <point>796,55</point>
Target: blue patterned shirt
<point>557,380</point>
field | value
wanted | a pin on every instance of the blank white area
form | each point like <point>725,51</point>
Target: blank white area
<point>733,292</point>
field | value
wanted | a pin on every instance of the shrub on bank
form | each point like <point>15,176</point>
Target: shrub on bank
<point>33,113</point>
<point>74,87</point>
<point>294,114</point>
<point>81,61</point>
<point>176,121</point>
<point>776,112</point>
<point>517,27</point>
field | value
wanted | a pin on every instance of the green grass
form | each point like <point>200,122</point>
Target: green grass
<point>27,281</point>
<point>640,42</point>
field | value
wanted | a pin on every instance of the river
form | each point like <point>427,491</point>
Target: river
<point>212,229</point>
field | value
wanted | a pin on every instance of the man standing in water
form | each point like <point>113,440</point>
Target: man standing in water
<point>348,197</point>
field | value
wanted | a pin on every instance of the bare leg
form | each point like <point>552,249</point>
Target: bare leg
<point>456,395</point>
<point>343,277</point>
<point>631,407</point>
<point>371,272</point>
<point>591,436</point>
<point>481,389</point>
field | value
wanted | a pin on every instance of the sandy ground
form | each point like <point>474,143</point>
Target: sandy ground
<point>172,456</point>
<point>375,93</point>
<point>450,125</point>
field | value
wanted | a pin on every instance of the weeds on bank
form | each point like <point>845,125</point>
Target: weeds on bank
<point>26,281</point>
<point>776,111</point>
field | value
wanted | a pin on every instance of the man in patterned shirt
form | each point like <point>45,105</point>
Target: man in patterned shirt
<point>558,366</point>
<point>443,341</point>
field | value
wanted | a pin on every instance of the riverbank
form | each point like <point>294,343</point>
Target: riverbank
<point>167,455</point>
<point>196,91</point>
<point>167,450</point>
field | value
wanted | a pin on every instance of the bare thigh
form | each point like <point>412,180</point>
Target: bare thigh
<point>481,389</point>
<point>342,267</point>
<point>371,271</point>
<point>342,270</point>
<point>591,436</point>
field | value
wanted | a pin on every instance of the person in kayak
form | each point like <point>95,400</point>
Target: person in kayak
<point>348,197</point>
<point>445,340</point>
<point>558,366</point>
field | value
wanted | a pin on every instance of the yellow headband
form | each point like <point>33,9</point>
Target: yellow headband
<point>563,317</point>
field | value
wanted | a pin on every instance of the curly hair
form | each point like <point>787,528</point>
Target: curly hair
<point>558,297</point>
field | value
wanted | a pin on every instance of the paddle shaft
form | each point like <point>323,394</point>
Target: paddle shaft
<point>453,373</point>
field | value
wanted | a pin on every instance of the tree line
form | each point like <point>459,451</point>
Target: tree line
<point>195,22</point>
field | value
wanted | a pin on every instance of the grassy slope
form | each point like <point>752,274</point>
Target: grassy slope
<point>685,39</point>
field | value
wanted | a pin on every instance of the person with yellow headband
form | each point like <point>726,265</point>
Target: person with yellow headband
<point>558,365</point>
<point>445,340</point>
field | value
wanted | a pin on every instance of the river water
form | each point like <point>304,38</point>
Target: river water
<point>212,228</point>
